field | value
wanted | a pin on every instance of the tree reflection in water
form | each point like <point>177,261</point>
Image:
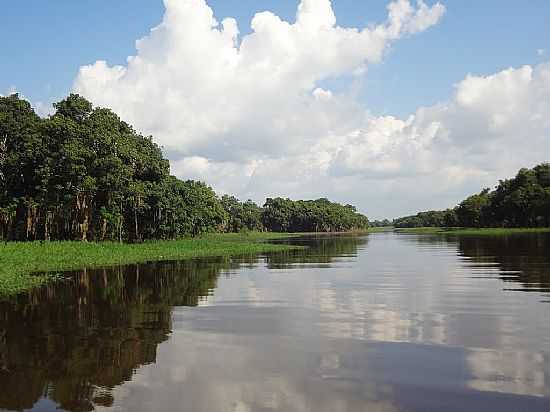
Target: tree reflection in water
<point>521,260</point>
<point>77,341</point>
<point>321,251</point>
<point>73,341</point>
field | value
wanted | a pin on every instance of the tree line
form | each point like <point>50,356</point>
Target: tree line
<point>84,174</point>
<point>321,215</point>
<point>381,223</point>
<point>522,201</point>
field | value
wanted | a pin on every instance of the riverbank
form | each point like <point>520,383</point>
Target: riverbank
<point>382,229</point>
<point>472,231</point>
<point>20,262</point>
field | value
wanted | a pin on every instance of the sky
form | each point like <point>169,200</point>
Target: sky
<point>395,106</point>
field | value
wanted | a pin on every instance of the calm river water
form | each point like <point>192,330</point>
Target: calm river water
<point>385,322</point>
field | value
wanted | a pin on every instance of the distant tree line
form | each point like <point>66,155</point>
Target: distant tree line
<point>84,174</point>
<point>432,218</point>
<point>523,201</point>
<point>285,215</point>
<point>381,223</point>
<point>242,216</point>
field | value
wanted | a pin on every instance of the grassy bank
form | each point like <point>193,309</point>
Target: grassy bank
<point>19,261</point>
<point>380,229</point>
<point>249,236</point>
<point>473,231</point>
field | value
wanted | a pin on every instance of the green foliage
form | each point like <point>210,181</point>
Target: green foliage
<point>381,223</point>
<point>22,260</point>
<point>523,201</point>
<point>84,174</point>
<point>470,212</point>
<point>459,231</point>
<point>321,215</point>
<point>242,216</point>
<point>432,218</point>
<point>450,218</point>
<point>381,229</point>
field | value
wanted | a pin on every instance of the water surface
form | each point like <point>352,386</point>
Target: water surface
<point>385,322</point>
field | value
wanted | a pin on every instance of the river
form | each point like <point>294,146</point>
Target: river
<point>385,322</point>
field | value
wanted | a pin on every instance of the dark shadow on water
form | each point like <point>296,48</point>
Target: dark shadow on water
<point>520,260</point>
<point>322,251</point>
<point>68,345</point>
<point>73,341</point>
<point>523,259</point>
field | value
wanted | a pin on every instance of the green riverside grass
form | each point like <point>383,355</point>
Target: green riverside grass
<point>382,229</point>
<point>473,231</point>
<point>25,265</point>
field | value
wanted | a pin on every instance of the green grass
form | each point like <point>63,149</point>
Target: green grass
<point>421,229</point>
<point>473,231</point>
<point>249,236</point>
<point>21,262</point>
<point>380,229</point>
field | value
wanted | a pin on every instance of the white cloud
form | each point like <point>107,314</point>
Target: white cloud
<point>247,114</point>
<point>541,52</point>
<point>491,127</point>
<point>200,91</point>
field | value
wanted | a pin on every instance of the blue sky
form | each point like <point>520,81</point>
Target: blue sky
<point>288,114</point>
<point>45,42</point>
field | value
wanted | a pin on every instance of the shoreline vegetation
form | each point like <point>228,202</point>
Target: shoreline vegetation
<point>381,229</point>
<point>464,231</point>
<point>81,188</point>
<point>25,265</point>
<point>520,202</point>
<point>84,174</point>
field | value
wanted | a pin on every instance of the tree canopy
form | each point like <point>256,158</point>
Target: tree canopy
<point>321,215</point>
<point>84,174</point>
<point>523,201</point>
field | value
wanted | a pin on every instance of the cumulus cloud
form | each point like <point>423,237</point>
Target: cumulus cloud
<point>248,113</point>
<point>488,119</point>
<point>491,127</point>
<point>201,90</point>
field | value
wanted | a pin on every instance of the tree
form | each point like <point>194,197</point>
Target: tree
<point>470,211</point>
<point>84,174</point>
<point>22,171</point>
<point>321,215</point>
<point>523,201</point>
<point>242,216</point>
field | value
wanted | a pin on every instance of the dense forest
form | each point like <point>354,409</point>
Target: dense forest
<point>381,223</point>
<point>84,174</point>
<point>523,201</point>
<point>284,215</point>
